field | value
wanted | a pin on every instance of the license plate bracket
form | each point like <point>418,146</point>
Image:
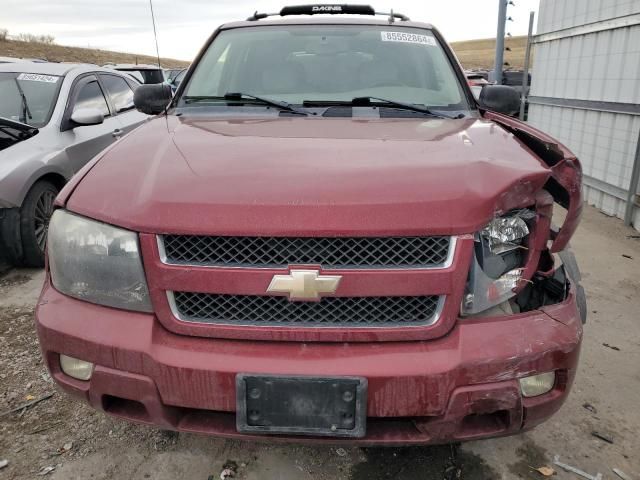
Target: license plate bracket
<point>301,405</point>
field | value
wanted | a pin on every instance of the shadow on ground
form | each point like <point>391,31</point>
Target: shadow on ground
<point>444,461</point>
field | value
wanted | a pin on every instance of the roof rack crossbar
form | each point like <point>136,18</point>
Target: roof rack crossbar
<point>260,16</point>
<point>393,15</point>
<point>332,9</point>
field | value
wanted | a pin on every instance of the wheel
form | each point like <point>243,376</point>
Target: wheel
<point>34,222</point>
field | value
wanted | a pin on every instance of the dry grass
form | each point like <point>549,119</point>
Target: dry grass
<point>59,53</point>
<point>481,53</point>
<point>472,53</point>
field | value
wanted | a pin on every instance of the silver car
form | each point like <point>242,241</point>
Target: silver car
<point>53,119</point>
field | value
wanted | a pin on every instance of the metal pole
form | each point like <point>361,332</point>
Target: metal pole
<point>502,19</point>
<point>633,186</point>
<point>525,73</point>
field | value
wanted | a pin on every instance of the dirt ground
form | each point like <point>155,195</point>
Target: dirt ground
<point>79,443</point>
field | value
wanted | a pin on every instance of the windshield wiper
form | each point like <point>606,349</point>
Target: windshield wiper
<point>239,97</point>
<point>366,102</point>
<point>25,106</point>
<point>402,105</point>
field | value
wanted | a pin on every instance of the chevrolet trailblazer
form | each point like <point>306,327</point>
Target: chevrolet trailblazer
<point>321,236</point>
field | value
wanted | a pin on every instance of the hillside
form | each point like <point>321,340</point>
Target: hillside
<point>472,53</point>
<point>59,53</point>
<point>481,53</point>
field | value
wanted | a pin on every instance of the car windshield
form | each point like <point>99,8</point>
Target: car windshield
<point>28,97</point>
<point>297,64</point>
<point>145,75</point>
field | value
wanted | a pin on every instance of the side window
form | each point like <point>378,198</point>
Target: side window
<point>119,91</point>
<point>180,76</point>
<point>90,96</point>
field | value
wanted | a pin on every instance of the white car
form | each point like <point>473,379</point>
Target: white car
<point>54,118</point>
<point>144,73</point>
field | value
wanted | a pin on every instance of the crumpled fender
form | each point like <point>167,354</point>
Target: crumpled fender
<point>565,183</point>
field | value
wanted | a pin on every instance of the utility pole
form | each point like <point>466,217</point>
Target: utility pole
<point>525,70</point>
<point>502,20</point>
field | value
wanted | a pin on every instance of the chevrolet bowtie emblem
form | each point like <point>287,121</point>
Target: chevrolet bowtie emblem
<point>304,284</point>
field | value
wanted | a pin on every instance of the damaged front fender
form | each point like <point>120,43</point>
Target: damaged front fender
<point>565,183</point>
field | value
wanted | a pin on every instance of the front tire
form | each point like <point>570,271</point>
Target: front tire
<point>34,222</point>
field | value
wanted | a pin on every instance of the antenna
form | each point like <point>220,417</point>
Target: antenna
<point>155,35</point>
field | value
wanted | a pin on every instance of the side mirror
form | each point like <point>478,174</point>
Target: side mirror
<point>87,116</point>
<point>153,98</point>
<point>500,98</point>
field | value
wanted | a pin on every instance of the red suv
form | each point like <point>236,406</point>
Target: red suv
<point>322,235</point>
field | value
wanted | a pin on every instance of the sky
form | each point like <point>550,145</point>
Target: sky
<point>184,25</point>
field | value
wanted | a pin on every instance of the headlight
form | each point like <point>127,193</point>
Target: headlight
<point>504,234</point>
<point>497,264</point>
<point>96,262</point>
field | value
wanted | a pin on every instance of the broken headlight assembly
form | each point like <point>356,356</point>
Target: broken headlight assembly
<point>96,262</point>
<point>500,250</point>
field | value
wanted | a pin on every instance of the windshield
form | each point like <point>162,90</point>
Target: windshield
<point>329,63</point>
<point>28,97</point>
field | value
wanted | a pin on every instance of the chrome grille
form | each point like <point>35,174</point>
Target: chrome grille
<point>328,312</point>
<point>330,252</point>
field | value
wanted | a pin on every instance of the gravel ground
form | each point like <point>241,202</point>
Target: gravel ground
<point>75,442</point>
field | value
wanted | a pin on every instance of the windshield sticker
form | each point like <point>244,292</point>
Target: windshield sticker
<point>36,77</point>
<point>408,38</point>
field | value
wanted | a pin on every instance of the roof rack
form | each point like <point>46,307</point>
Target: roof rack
<point>333,9</point>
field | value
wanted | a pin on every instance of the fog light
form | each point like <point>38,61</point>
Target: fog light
<point>537,384</point>
<point>78,369</point>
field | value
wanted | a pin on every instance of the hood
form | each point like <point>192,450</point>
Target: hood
<point>305,176</point>
<point>12,132</point>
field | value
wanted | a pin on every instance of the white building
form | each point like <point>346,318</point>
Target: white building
<point>585,91</point>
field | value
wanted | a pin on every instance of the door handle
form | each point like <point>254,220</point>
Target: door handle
<point>117,133</point>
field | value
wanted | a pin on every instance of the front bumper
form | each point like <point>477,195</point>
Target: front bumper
<point>459,387</point>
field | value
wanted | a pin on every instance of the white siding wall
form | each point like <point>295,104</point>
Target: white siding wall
<point>599,66</point>
<point>559,14</point>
